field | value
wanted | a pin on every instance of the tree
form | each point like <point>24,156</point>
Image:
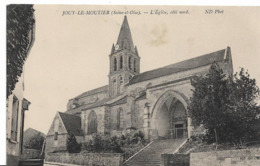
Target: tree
<point>224,105</point>
<point>19,35</point>
<point>243,107</point>
<point>72,145</point>
<point>36,142</point>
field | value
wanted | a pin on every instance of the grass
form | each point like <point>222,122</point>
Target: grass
<point>198,146</point>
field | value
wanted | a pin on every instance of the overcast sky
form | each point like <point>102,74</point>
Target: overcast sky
<point>70,53</point>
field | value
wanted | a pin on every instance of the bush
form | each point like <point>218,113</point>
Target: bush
<point>115,144</point>
<point>36,142</point>
<point>73,146</point>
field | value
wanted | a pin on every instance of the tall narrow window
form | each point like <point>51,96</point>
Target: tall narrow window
<point>120,119</point>
<point>92,123</point>
<point>115,64</point>
<point>15,113</point>
<point>56,136</point>
<point>121,80</point>
<point>121,62</point>
<point>130,63</point>
<point>114,88</point>
<point>134,65</point>
<point>56,129</point>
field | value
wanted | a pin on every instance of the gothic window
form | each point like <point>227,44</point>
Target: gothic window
<point>120,119</point>
<point>121,80</point>
<point>115,64</point>
<point>130,63</point>
<point>15,111</point>
<point>134,65</point>
<point>92,123</point>
<point>121,62</point>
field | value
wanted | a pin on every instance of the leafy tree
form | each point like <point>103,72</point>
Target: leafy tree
<point>36,142</point>
<point>243,107</point>
<point>225,106</point>
<point>20,22</point>
<point>72,145</point>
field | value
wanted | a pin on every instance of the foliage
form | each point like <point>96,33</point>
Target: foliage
<point>20,22</point>
<point>225,106</point>
<point>116,144</point>
<point>36,142</point>
<point>73,146</point>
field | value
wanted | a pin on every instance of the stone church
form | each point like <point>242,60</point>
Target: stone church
<point>154,102</point>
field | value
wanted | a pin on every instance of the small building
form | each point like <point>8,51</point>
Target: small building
<point>62,126</point>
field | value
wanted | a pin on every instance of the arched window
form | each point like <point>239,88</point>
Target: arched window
<point>114,88</point>
<point>134,65</point>
<point>130,63</point>
<point>121,80</point>
<point>92,123</point>
<point>115,64</point>
<point>121,62</point>
<point>120,119</point>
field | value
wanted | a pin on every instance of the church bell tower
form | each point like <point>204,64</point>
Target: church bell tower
<point>124,60</point>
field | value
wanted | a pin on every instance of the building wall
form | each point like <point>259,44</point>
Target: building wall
<point>13,146</point>
<point>60,143</point>
<point>138,113</point>
<point>113,119</point>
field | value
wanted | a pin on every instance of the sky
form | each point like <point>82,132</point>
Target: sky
<point>70,54</point>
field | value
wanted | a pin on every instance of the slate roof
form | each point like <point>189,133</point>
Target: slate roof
<point>141,97</point>
<point>72,123</point>
<point>180,66</point>
<point>107,101</point>
<point>93,91</point>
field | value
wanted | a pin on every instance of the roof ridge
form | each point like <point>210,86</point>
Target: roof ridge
<point>105,86</point>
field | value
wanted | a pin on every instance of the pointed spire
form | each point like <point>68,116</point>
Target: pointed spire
<point>113,49</point>
<point>125,40</point>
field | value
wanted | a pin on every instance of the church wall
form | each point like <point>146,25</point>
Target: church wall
<point>113,119</point>
<point>137,116</point>
<point>100,112</point>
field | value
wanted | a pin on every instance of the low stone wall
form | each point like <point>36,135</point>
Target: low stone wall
<point>175,159</point>
<point>97,159</point>
<point>249,157</point>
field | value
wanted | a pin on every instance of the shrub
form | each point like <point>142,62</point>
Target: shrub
<point>73,146</point>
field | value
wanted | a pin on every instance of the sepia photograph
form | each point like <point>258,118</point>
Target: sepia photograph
<point>129,85</point>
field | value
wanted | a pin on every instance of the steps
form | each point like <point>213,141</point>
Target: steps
<point>31,162</point>
<point>151,156</point>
